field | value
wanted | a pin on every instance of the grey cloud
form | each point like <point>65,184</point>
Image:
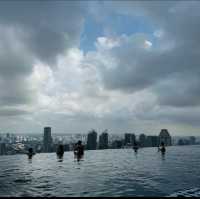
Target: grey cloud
<point>140,69</point>
<point>47,43</point>
<point>32,31</point>
<point>16,91</point>
<point>179,91</point>
<point>51,26</point>
<point>15,67</point>
<point>8,112</point>
<point>15,59</point>
<point>188,116</point>
<point>83,122</point>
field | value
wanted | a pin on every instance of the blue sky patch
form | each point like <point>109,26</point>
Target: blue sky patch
<point>112,25</point>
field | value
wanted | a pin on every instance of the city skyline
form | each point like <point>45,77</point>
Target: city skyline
<point>102,130</point>
<point>126,66</point>
<point>11,144</point>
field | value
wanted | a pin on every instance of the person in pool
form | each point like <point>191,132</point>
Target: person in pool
<point>60,150</point>
<point>135,146</point>
<point>30,153</point>
<point>162,148</point>
<point>79,150</point>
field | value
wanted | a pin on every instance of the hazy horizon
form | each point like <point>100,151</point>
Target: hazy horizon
<point>98,132</point>
<point>125,66</point>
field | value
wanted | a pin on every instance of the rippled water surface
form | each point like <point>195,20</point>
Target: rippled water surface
<point>118,172</point>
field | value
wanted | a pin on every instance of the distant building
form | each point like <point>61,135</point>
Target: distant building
<point>66,147</point>
<point>92,140</point>
<point>142,140</point>
<point>165,137</point>
<point>2,149</point>
<point>117,144</point>
<point>192,140</point>
<point>47,140</point>
<point>152,141</point>
<point>103,140</point>
<point>133,139</point>
<point>184,141</point>
<point>129,139</point>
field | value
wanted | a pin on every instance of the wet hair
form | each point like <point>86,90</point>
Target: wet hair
<point>162,144</point>
<point>79,142</point>
<point>30,150</point>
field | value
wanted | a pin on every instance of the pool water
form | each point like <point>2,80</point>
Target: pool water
<point>111,172</point>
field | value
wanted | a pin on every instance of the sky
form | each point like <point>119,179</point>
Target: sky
<point>125,66</point>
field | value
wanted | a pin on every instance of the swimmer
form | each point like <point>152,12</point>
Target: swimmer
<point>60,151</point>
<point>30,153</point>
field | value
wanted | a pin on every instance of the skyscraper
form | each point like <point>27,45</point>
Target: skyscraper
<point>129,138</point>
<point>47,140</point>
<point>92,140</point>
<point>103,140</point>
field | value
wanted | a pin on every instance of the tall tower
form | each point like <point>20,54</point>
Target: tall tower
<point>47,140</point>
<point>92,140</point>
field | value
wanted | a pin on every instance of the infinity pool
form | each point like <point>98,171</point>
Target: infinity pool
<point>117,172</point>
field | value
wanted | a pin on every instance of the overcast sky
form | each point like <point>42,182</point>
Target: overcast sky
<point>125,66</point>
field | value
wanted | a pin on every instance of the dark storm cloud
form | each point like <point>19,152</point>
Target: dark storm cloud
<point>50,26</point>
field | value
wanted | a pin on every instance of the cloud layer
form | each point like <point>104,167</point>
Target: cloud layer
<point>140,81</point>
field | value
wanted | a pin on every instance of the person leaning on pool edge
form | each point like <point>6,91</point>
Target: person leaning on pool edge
<point>79,149</point>
<point>60,150</point>
<point>30,153</point>
<point>162,149</point>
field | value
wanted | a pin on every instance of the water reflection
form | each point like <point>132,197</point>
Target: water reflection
<point>78,158</point>
<point>163,156</point>
<point>30,160</point>
<point>136,154</point>
<point>60,158</point>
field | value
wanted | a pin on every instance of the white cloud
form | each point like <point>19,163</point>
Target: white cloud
<point>147,44</point>
<point>105,43</point>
